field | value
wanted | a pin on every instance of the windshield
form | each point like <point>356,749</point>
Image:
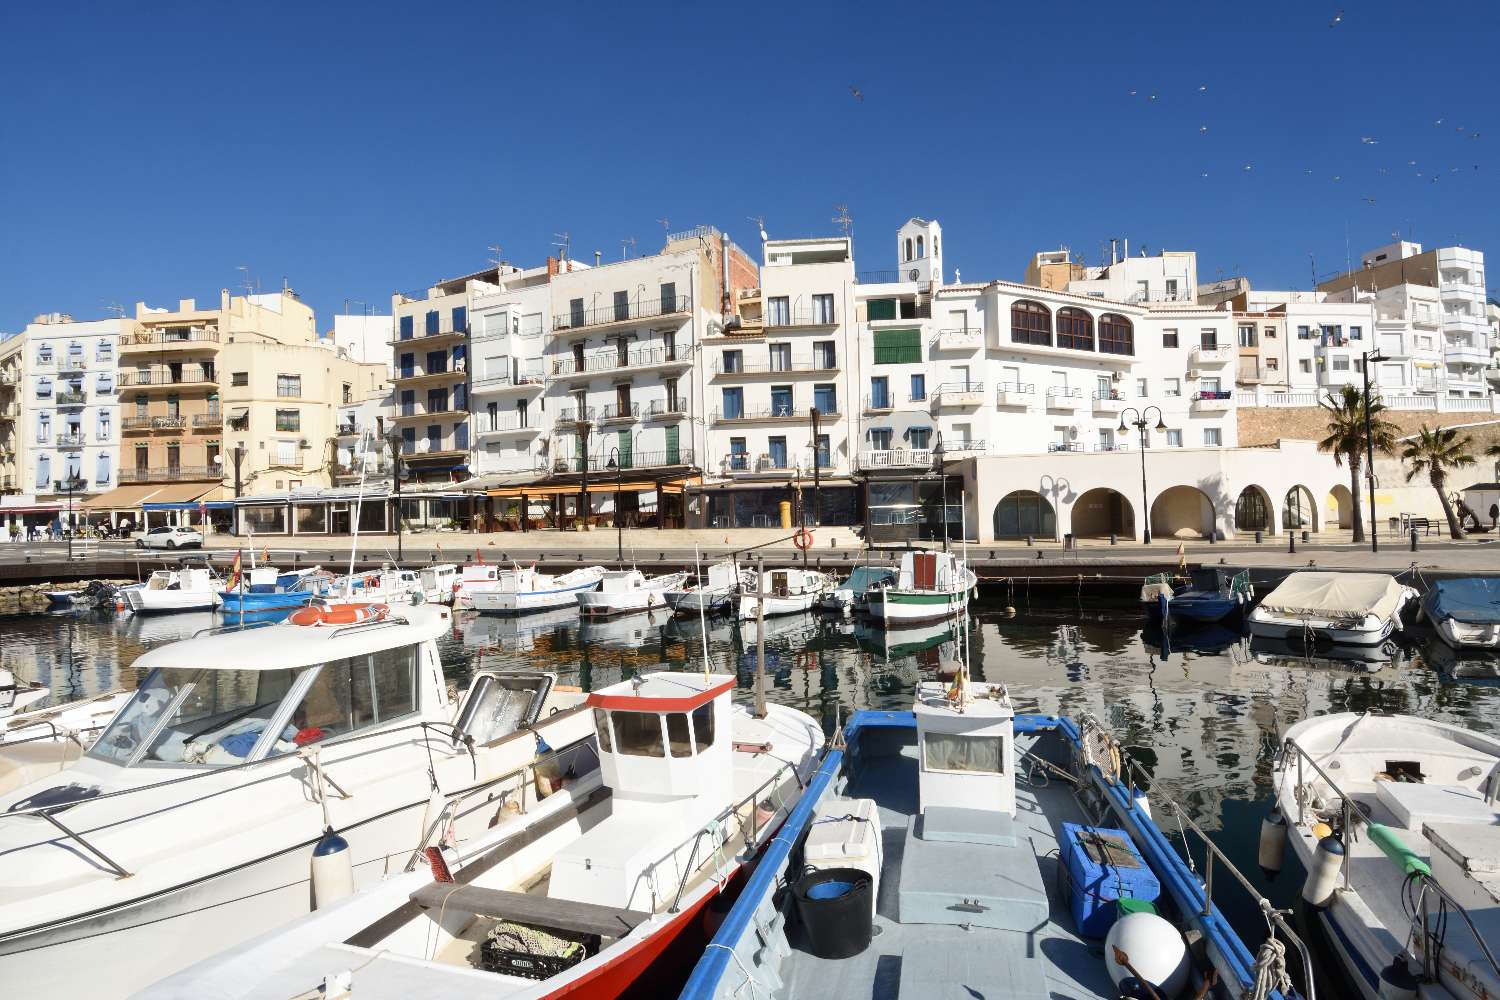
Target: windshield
<point>198,716</point>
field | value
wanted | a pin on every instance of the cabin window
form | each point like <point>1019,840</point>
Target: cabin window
<point>951,752</point>
<point>679,740</point>
<point>186,715</point>
<point>703,725</point>
<point>601,726</point>
<point>357,692</point>
<point>638,733</point>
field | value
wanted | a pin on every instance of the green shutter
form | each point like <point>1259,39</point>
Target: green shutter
<point>898,347</point>
<point>880,309</point>
<point>673,454</point>
<point>625,441</point>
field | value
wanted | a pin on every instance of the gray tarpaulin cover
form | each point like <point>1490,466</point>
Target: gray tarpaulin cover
<point>1336,595</point>
<point>1474,599</point>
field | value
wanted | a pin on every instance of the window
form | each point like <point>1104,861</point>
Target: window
<point>880,393</point>
<point>679,738</point>
<point>1210,437</point>
<point>667,296</point>
<point>908,248</point>
<point>1209,387</point>
<point>1171,387</point>
<point>918,388</point>
<point>437,400</point>
<point>1104,387</point>
<point>460,319</point>
<point>44,388</point>
<point>1247,335</point>
<point>622,305</point>
<point>101,469</point>
<point>920,254</point>
<point>1172,288</point>
<point>880,438</point>
<point>778,311</point>
<point>703,726</point>
<point>780,357</point>
<point>898,347</point>
<point>1030,323</point>
<point>880,309</point>
<point>104,350</point>
<point>1169,338</point>
<point>1340,364</point>
<point>637,734</point>
<point>1272,364</point>
<point>243,378</point>
<point>781,401</point>
<point>1075,329</point>
<point>1270,333</point>
<point>1356,333</point>
<point>776,451</point>
<point>44,354</point>
<point>1304,333</point>
<point>406,328</point>
<point>432,321</point>
<point>734,403</point>
<point>357,692</point>
<point>289,386</point>
<point>734,361</point>
<point>1106,439</point>
<point>1116,334</point>
<point>575,312</point>
<point>437,361</point>
<point>1208,339</point>
<point>826,398</point>
<point>1304,365</point>
<point>288,420</point>
<point>825,355</point>
<point>1174,438</point>
<point>953,752</point>
<point>823,451</point>
<point>286,453</point>
<point>823,309</point>
<point>920,437</point>
<point>1142,388</point>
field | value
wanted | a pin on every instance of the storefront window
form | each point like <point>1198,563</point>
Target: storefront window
<point>264,520</point>
<point>312,518</point>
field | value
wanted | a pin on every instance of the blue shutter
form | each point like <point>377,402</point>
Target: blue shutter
<point>432,321</point>
<point>461,437</point>
<point>406,327</point>
<point>101,470</point>
<point>460,319</point>
<point>43,473</point>
<point>106,382</point>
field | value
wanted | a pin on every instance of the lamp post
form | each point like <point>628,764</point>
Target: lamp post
<point>942,469</point>
<point>817,467</point>
<point>583,463</point>
<point>393,438</point>
<point>618,466</point>
<point>70,484</point>
<point>1140,423</point>
<point>1364,371</point>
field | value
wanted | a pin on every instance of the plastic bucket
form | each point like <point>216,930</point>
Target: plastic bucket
<point>837,910</point>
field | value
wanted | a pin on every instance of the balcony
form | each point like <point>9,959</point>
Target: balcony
<point>444,333</point>
<point>160,423</point>
<point>417,413</point>
<point>70,441</point>
<point>958,394</point>
<point>880,404</point>
<point>10,377</point>
<point>72,365</point>
<point>966,339</point>
<point>825,366</point>
<point>352,470</point>
<point>512,425</point>
<point>778,414</point>
<point>615,413</point>
<point>165,340</point>
<point>896,458</point>
<point>759,465</point>
<point>960,448</point>
<point>614,361</point>
<point>576,415</point>
<point>1247,374</point>
<point>618,315</point>
<point>171,474</point>
<point>1211,401</point>
<point>163,377</point>
<point>1060,397</point>
<point>1457,352</point>
<point>665,409</point>
<point>1109,402</point>
<point>207,421</point>
<point>1060,446</point>
<point>71,398</point>
<point>1204,356</point>
<point>624,464</point>
<point>1015,395</point>
<point>10,411</point>
<point>418,376</point>
<point>805,318</point>
<point>520,382</point>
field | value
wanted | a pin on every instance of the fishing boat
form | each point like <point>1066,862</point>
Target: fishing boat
<point>522,589</point>
<point>963,850</point>
<point>472,575</point>
<point>626,592</point>
<point>387,585</point>
<point>930,586</point>
<point>255,773</point>
<point>185,588</point>
<point>711,594</point>
<point>781,591</point>
<point>1465,611</point>
<point>1359,609</point>
<point>851,595</point>
<point>266,588</point>
<point>1227,600</point>
<point>612,895</point>
<point>439,582</point>
<point>1394,819</point>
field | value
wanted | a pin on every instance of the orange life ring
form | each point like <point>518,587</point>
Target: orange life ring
<point>372,582</point>
<point>339,614</point>
<point>802,539</point>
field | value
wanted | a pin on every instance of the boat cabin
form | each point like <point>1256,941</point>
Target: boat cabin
<point>929,571</point>
<point>620,581</point>
<point>966,736</point>
<point>479,573</point>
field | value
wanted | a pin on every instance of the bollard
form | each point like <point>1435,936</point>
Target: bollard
<point>1291,543</point>
<point>1112,539</point>
<point>1213,538</point>
<point>1414,539</point>
<point>1068,541</point>
<point>1257,536</point>
<point>1030,540</point>
<point>1306,536</point>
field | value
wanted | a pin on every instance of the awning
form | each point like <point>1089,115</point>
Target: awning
<point>36,508</point>
<point>184,492</point>
<point>239,412</point>
<point>121,498</point>
<point>210,504</point>
<point>570,490</point>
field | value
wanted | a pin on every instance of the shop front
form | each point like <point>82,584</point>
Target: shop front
<point>904,509</point>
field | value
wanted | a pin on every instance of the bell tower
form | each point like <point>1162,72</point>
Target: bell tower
<point>919,251</point>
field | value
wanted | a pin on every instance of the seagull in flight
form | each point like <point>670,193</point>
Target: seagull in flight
<point>1369,140</point>
<point>1202,129</point>
<point>1202,87</point>
<point>1370,200</point>
<point>1337,18</point>
<point>857,95</point>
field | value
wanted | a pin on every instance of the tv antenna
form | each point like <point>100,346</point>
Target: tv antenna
<point>760,222</point>
<point>250,287</point>
<point>627,247</point>
<point>666,226</point>
<point>563,242</point>
<point>115,309</point>
<point>843,219</point>
<point>495,257</point>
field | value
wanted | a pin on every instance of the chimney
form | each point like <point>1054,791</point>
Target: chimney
<point>551,267</point>
<point>597,257</point>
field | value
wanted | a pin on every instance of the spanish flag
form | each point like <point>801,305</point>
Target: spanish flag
<point>234,574</point>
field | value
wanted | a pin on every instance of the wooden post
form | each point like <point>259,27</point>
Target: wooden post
<point>760,637</point>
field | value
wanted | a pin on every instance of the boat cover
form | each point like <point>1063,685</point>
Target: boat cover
<point>1472,599</point>
<point>1336,595</point>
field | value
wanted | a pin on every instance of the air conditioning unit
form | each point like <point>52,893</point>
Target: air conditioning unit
<point>1192,373</point>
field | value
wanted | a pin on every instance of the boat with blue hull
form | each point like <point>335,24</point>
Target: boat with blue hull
<point>1465,611</point>
<point>993,849</point>
<point>1225,601</point>
<point>265,588</point>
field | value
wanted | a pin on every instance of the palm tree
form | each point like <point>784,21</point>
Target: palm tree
<point>1435,452</point>
<point>1347,437</point>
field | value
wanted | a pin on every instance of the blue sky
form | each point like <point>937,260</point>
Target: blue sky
<point>152,149</point>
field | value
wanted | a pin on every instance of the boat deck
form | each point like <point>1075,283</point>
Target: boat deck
<point>937,961</point>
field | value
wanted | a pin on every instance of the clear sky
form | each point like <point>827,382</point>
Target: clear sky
<point>151,150</point>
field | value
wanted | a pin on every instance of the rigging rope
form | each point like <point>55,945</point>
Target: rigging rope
<point>1270,971</point>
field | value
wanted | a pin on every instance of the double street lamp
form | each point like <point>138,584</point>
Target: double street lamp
<point>73,483</point>
<point>617,463</point>
<point>393,438</point>
<point>1140,422</point>
<point>1368,357</point>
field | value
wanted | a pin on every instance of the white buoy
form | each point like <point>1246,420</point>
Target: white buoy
<point>1154,949</point>
<point>1323,871</point>
<point>1142,803</point>
<point>1272,841</point>
<point>332,870</point>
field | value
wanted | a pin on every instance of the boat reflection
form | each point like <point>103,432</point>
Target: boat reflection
<point>1471,666</point>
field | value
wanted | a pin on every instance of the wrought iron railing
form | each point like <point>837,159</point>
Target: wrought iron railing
<point>624,312</point>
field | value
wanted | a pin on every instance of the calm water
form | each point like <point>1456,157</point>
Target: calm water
<point>1204,720</point>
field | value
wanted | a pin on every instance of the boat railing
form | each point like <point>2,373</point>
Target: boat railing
<point>54,733</point>
<point>1353,814</point>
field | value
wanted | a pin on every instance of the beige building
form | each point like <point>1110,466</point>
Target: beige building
<point>10,414</point>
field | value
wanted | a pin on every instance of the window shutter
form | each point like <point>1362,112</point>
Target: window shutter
<point>878,309</point>
<point>406,327</point>
<point>898,347</point>
<point>460,318</point>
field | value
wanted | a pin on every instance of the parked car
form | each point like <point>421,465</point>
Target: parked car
<point>167,537</point>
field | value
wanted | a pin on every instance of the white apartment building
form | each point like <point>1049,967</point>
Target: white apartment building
<point>509,322</point>
<point>430,354</point>
<point>1170,276</point>
<point>364,338</point>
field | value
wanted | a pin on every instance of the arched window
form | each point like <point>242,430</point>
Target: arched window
<point>1075,329</point>
<point>1116,335</point>
<point>908,248</point>
<point>920,254</point>
<point>1030,323</point>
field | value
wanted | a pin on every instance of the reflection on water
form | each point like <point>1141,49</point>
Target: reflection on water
<point>1202,709</point>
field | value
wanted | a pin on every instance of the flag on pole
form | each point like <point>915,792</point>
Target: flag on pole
<point>234,574</point>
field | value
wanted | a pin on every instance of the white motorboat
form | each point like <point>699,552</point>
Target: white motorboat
<point>929,587</point>
<point>523,589</point>
<point>387,585</point>
<point>471,576</point>
<point>43,741</point>
<point>627,591</point>
<point>1361,609</point>
<point>782,591</point>
<point>440,582</point>
<point>1394,818</point>
<point>257,772</point>
<point>186,588</point>
<point>17,695</point>
<point>852,594</point>
<point>693,788</point>
<point>712,594</point>
<point>1465,611</point>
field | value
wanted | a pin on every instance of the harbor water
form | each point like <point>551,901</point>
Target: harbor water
<point>1201,712</point>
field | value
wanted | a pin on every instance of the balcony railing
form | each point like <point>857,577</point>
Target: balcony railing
<point>410,412</point>
<point>894,458</point>
<point>1064,446</point>
<point>521,380</point>
<point>970,447</point>
<point>68,398</point>
<point>773,413</point>
<point>816,365</point>
<point>578,319</point>
<point>615,411</point>
<point>965,339</point>
<point>10,411</point>
<point>170,474</point>
<point>1213,354</point>
<point>877,277</point>
<point>459,368</point>
<point>158,423</point>
<point>445,328</point>
<point>347,470</point>
<point>802,317</point>
<point>508,425</point>
<point>604,361</point>
<point>142,378</point>
<point>879,404</point>
<point>208,420</point>
<point>665,408</point>
<point>73,364</point>
<point>744,462</point>
<point>958,394</point>
<point>623,463</point>
<point>1212,394</point>
<point>1015,394</point>
<point>168,338</point>
<point>70,440</point>
<point>575,415</point>
<point>1063,397</point>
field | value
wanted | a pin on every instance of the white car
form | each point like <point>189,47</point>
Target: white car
<point>167,537</point>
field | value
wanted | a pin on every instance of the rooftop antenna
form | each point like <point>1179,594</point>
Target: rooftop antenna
<point>495,258</point>
<point>1312,265</point>
<point>628,241</point>
<point>760,223</point>
<point>666,226</point>
<point>247,284</point>
<point>563,241</point>
<point>115,309</point>
<point>843,220</point>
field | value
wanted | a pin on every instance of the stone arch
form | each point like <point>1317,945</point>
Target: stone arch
<point>1342,504</point>
<point>1299,511</point>
<point>1253,511</point>
<point>1101,512</point>
<point>1182,512</point>
<point>1025,512</point>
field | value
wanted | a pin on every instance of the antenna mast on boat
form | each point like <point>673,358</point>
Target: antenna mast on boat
<point>760,637</point>
<point>963,526</point>
<point>702,615</point>
<point>359,497</point>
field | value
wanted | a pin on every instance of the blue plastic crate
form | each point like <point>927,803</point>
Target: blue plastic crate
<point>1100,865</point>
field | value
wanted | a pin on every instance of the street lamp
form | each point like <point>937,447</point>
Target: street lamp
<point>393,438</point>
<point>73,482</point>
<point>942,468</point>
<point>619,467</point>
<point>1140,422</point>
<point>1368,357</point>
